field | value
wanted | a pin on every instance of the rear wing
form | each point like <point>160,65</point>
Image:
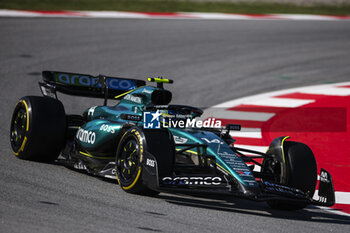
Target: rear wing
<point>86,85</point>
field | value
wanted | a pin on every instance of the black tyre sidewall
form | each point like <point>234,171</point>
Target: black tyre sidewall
<point>138,186</point>
<point>302,168</point>
<point>125,139</point>
<point>47,129</point>
<point>300,173</point>
<point>134,186</point>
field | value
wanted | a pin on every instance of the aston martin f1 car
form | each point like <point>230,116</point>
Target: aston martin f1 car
<point>150,146</point>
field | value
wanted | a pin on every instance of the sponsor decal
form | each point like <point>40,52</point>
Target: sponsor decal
<point>212,141</point>
<point>180,140</point>
<point>324,177</point>
<point>134,99</point>
<point>250,182</point>
<point>146,91</point>
<point>91,111</point>
<point>88,81</point>
<point>107,128</point>
<point>150,162</point>
<point>80,166</point>
<point>282,189</point>
<point>184,180</point>
<point>243,173</point>
<point>86,136</point>
<point>140,142</point>
<point>48,91</point>
<point>130,117</point>
<point>226,154</point>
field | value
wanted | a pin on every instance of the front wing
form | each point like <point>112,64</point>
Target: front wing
<point>223,185</point>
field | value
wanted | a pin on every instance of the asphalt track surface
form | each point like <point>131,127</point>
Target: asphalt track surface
<point>210,61</point>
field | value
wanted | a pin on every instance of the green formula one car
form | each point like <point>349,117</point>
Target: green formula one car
<point>150,146</point>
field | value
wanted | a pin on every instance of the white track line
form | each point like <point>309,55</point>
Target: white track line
<point>247,133</point>
<point>280,102</point>
<point>176,15</point>
<point>14,13</point>
<point>222,16</point>
<point>244,100</point>
<point>340,197</point>
<point>336,91</point>
<point>113,14</point>
<point>305,17</point>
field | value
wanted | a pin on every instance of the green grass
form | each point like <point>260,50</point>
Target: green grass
<point>172,6</point>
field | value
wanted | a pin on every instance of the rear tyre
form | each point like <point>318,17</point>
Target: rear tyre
<point>130,151</point>
<point>38,128</point>
<point>299,170</point>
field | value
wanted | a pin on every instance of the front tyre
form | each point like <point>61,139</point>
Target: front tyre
<point>129,156</point>
<point>38,128</point>
<point>298,170</point>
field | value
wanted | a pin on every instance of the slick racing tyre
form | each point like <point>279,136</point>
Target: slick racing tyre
<point>129,155</point>
<point>38,128</point>
<point>298,170</point>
